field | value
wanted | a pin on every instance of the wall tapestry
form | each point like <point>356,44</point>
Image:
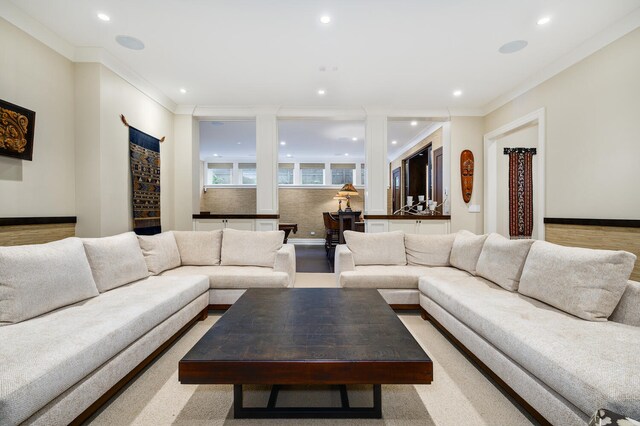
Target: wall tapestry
<point>17,125</point>
<point>144,154</point>
<point>520,191</point>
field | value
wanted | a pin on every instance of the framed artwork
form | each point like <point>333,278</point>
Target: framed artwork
<point>17,125</point>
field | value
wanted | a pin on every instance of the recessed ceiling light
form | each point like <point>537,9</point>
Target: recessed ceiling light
<point>513,46</point>
<point>354,139</point>
<point>325,19</point>
<point>215,155</point>
<point>130,42</point>
<point>183,91</point>
<point>414,123</point>
<point>289,155</point>
<point>239,143</point>
<point>544,20</point>
<point>457,93</point>
<point>321,92</point>
<point>103,17</point>
<point>283,143</point>
<point>394,142</point>
<point>346,154</point>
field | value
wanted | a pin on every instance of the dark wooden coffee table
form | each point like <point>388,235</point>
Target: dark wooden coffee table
<point>315,336</point>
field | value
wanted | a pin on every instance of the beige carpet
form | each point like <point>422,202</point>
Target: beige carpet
<point>459,394</point>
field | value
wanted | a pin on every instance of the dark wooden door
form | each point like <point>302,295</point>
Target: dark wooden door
<point>437,176</point>
<point>396,196</point>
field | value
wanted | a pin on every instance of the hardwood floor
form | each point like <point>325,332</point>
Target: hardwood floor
<point>312,258</point>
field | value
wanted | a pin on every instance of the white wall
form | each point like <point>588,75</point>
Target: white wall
<point>187,171</point>
<point>592,131</point>
<point>466,133</point>
<point>35,77</point>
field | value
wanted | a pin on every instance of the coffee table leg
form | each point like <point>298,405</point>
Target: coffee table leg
<point>271,411</point>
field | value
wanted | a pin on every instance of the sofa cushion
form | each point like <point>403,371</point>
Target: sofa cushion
<point>393,276</point>
<point>199,247</point>
<point>628,310</point>
<point>584,282</point>
<point>591,364</point>
<point>502,260</point>
<point>160,251</point>
<point>428,250</point>
<point>43,357</point>
<point>115,260</point>
<point>380,248</point>
<point>235,276</point>
<point>250,248</point>
<point>466,250</point>
<point>35,279</point>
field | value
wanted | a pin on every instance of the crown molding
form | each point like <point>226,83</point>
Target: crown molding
<point>102,56</point>
<point>587,48</point>
<point>40,32</point>
<point>35,29</point>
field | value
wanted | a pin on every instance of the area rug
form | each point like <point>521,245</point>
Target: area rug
<point>459,395</point>
<point>144,154</point>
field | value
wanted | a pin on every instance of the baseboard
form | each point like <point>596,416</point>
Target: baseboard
<point>306,241</point>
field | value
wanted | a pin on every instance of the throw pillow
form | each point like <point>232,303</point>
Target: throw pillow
<point>160,252</point>
<point>584,282</point>
<point>379,248</point>
<point>466,250</point>
<point>250,248</point>
<point>501,260</point>
<point>115,260</point>
<point>36,279</point>
<point>429,250</point>
<point>199,247</point>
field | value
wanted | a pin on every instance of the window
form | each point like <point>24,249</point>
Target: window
<point>312,173</point>
<point>219,173</point>
<point>285,174</point>
<point>247,173</point>
<point>342,173</point>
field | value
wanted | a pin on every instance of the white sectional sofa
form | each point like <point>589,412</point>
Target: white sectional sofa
<point>558,327</point>
<point>78,317</point>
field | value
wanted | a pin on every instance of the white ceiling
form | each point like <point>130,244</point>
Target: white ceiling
<point>304,140</point>
<point>388,53</point>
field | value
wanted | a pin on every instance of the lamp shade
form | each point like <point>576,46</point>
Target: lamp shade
<point>348,189</point>
<point>339,197</point>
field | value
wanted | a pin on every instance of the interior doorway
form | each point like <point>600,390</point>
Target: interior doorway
<point>438,164</point>
<point>530,131</point>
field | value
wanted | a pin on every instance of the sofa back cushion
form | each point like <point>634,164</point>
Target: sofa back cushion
<point>379,248</point>
<point>428,250</point>
<point>584,282</point>
<point>466,250</point>
<point>36,279</point>
<point>160,252</point>
<point>502,260</point>
<point>115,260</point>
<point>250,248</point>
<point>628,310</point>
<point>199,248</point>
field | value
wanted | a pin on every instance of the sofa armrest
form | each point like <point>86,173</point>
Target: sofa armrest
<point>343,261</point>
<point>286,262</point>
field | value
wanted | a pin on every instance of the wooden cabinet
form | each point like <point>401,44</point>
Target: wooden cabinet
<point>420,226</point>
<point>213,224</point>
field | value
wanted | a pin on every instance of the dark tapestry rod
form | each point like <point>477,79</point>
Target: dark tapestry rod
<point>124,121</point>
<point>508,151</point>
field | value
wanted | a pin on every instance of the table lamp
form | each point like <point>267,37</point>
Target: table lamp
<point>339,198</point>
<point>347,191</point>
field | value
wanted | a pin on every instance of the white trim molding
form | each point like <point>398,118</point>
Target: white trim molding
<point>536,118</point>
